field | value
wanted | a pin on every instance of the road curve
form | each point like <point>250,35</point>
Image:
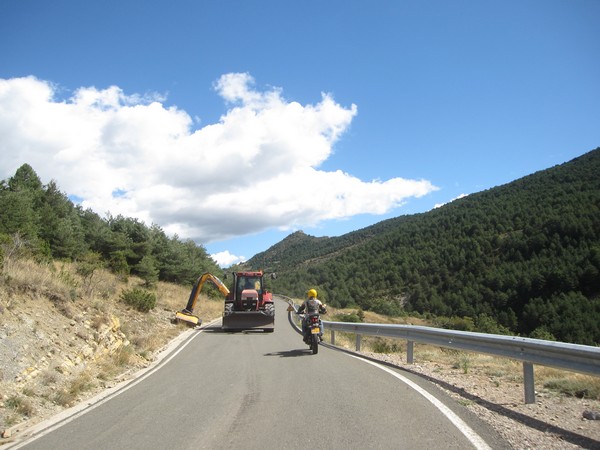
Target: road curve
<point>258,390</point>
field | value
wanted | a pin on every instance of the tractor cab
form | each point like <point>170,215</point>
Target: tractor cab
<point>249,292</point>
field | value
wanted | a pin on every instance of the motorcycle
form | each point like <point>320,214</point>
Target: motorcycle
<point>313,331</point>
<point>312,327</point>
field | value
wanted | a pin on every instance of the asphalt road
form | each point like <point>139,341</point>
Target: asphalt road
<point>257,390</point>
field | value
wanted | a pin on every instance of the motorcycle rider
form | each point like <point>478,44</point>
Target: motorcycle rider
<point>311,305</point>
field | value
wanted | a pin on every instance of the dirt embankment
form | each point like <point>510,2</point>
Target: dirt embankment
<point>64,338</point>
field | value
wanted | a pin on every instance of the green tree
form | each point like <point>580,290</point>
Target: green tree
<point>147,270</point>
<point>60,224</point>
<point>18,214</point>
<point>20,200</point>
<point>25,179</point>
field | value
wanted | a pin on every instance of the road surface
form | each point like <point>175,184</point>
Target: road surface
<point>256,390</point>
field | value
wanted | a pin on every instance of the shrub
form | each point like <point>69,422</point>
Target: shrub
<point>380,345</point>
<point>455,323</point>
<point>542,333</point>
<point>140,299</point>
<point>487,324</point>
<point>360,314</point>
<point>64,397</point>
<point>580,388</point>
<point>20,405</point>
<point>352,318</point>
<point>81,383</point>
<point>464,363</point>
<point>124,356</point>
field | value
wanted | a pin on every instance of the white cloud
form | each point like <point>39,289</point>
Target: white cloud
<point>437,205</point>
<point>256,168</point>
<point>226,259</point>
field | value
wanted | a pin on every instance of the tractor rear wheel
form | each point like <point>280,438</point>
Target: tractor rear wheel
<point>270,309</point>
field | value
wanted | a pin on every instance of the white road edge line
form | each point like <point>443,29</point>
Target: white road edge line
<point>465,429</point>
<point>57,421</point>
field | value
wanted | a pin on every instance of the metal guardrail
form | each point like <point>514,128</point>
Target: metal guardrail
<point>572,357</point>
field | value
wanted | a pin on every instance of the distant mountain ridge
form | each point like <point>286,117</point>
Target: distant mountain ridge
<point>525,254</point>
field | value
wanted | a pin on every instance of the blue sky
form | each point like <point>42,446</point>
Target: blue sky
<point>235,123</point>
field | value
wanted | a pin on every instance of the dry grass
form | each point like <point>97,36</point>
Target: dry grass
<point>38,280</point>
<point>49,377</point>
<point>110,366</point>
<point>20,405</point>
<point>78,385</point>
<point>570,384</point>
<point>100,320</point>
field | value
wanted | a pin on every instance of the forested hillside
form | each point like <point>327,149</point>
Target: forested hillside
<point>521,258</point>
<point>41,221</point>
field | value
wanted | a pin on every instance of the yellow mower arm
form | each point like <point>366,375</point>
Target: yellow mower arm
<point>185,315</point>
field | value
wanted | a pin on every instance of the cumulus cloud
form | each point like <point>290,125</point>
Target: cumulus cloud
<point>438,205</point>
<point>257,168</point>
<point>226,259</point>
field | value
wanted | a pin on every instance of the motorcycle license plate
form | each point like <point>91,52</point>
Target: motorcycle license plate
<point>315,331</point>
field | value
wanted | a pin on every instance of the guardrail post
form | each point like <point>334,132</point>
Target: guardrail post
<point>332,337</point>
<point>528,382</point>
<point>410,347</point>
<point>358,342</point>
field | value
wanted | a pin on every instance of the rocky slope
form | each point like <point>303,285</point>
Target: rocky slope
<point>64,339</point>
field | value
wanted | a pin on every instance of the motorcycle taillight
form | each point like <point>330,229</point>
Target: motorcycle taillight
<point>314,319</point>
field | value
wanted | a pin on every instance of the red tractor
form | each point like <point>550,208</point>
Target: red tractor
<point>249,305</point>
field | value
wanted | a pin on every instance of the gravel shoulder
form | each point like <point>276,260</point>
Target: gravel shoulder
<point>555,421</point>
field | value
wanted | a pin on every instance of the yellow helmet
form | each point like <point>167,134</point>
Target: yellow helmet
<point>311,293</point>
